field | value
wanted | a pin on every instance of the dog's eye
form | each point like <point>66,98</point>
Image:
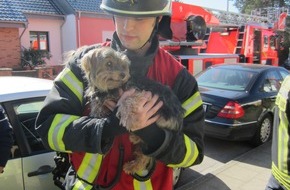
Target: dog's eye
<point>109,64</point>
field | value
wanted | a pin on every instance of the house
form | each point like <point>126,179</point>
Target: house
<point>54,25</point>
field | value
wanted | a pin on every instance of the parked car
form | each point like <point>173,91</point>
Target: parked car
<point>31,164</point>
<point>239,100</point>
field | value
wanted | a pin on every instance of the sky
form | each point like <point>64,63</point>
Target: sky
<point>214,4</point>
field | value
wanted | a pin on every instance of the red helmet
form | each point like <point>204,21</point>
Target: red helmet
<point>137,8</point>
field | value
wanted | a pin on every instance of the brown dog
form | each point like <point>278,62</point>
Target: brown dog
<point>107,71</point>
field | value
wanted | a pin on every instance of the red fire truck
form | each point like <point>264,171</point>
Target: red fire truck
<point>203,37</point>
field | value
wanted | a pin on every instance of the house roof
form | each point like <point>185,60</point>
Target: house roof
<point>15,10</point>
<point>9,13</point>
<point>86,5</point>
<point>44,7</point>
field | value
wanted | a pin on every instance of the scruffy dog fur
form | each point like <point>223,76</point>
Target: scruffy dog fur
<point>107,71</point>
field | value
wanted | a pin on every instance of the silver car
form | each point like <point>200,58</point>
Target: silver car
<point>31,164</point>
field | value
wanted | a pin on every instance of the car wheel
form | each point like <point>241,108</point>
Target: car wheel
<point>264,131</point>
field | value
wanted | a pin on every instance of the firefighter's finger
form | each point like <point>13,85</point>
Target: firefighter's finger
<point>152,112</point>
<point>152,120</point>
<point>152,102</point>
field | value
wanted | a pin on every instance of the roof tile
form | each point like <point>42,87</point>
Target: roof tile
<point>86,5</point>
<point>14,10</point>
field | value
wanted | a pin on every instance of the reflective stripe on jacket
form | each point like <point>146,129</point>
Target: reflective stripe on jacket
<point>281,137</point>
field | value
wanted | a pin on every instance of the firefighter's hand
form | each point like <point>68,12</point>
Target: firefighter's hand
<point>144,113</point>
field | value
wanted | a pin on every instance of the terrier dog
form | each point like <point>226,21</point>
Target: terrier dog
<point>106,71</point>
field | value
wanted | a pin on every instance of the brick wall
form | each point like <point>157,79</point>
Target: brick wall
<point>10,51</point>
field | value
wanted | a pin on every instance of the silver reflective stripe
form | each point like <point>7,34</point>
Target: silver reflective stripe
<point>146,185</point>
<point>90,167</point>
<point>192,103</point>
<point>56,131</point>
<point>72,82</point>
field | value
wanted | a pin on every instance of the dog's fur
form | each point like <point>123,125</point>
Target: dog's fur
<point>108,70</point>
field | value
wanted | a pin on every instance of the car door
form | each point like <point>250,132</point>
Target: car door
<point>270,86</point>
<point>31,164</point>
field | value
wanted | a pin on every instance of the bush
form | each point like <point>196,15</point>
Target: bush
<point>33,58</point>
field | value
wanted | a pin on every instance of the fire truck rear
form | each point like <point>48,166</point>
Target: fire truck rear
<point>204,37</point>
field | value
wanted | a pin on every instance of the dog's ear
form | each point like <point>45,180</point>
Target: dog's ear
<point>85,62</point>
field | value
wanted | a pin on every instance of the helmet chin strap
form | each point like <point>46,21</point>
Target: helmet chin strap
<point>154,32</point>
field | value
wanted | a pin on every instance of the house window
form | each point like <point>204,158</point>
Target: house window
<point>39,40</point>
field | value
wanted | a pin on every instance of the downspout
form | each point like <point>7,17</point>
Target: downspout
<point>25,28</point>
<point>61,32</point>
<point>79,28</point>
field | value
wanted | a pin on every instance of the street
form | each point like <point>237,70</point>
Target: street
<point>217,153</point>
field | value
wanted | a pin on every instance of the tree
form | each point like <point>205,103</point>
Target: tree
<point>32,58</point>
<point>247,6</point>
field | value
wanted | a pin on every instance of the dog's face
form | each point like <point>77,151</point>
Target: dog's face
<point>105,68</point>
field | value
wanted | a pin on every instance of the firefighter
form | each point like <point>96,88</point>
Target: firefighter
<point>6,140</point>
<point>280,178</point>
<point>99,147</point>
<point>283,55</point>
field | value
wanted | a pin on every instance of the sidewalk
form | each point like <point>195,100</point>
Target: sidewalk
<point>250,171</point>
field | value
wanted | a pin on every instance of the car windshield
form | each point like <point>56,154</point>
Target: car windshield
<point>225,79</point>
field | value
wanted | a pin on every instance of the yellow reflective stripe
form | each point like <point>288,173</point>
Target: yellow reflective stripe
<point>192,103</point>
<point>90,167</point>
<point>282,95</point>
<point>281,102</point>
<point>81,185</point>
<point>146,185</point>
<point>190,155</point>
<point>283,178</point>
<point>283,141</point>
<point>72,82</point>
<point>56,131</point>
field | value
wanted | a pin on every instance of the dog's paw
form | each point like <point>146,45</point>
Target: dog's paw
<point>134,139</point>
<point>133,167</point>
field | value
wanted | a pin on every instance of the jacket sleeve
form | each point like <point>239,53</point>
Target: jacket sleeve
<point>6,139</point>
<point>185,148</point>
<point>61,123</point>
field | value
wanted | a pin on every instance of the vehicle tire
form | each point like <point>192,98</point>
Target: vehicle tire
<point>264,131</point>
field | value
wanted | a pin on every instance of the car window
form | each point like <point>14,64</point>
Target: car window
<point>272,82</point>
<point>284,74</point>
<point>27,112</point>
<point>225,79</point>
<point>32,107</point>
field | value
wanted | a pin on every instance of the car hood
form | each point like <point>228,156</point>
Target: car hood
<point>210,93</point>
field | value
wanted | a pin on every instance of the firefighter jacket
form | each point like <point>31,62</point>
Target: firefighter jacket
<point>281,136</point>
<point>6,138</point>
<point>63,127</point>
